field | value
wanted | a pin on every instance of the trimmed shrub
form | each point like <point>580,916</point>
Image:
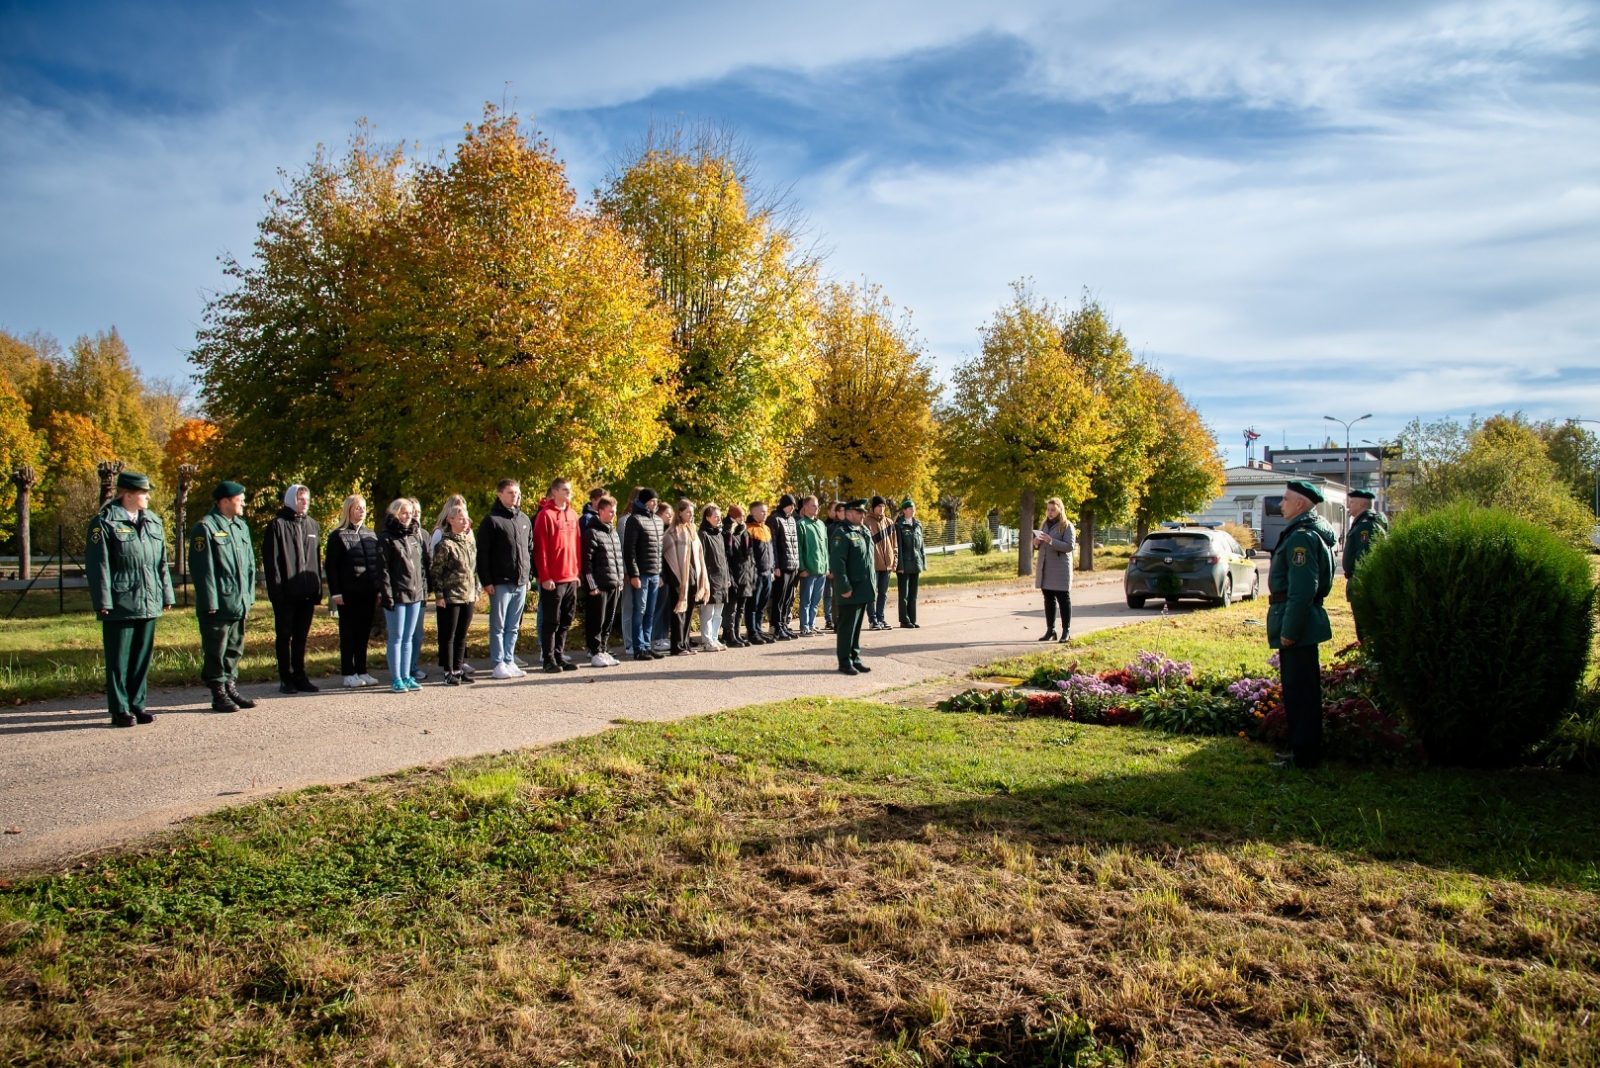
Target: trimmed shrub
<point>1479,624</point>
<point>982,539</point>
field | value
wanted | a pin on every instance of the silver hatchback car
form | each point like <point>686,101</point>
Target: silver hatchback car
<point>1197,563</point>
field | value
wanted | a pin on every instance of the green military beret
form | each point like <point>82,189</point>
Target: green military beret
<point>233,489</point>
<point>1366,495</point>
<point>907,503</point>
<point>856,504</point>
<point>132,480</point>
<point>1306,490</point>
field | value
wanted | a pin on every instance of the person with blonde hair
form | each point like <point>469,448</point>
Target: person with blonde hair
<point>453,572</point>
<point>353,559</point>
<point>1053,544</point>
<point>683,565</point>
<point>403,584</point>
<point>441,525</point>
<point>418,628</point>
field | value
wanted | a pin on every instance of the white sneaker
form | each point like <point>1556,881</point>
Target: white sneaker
<point>419,675</point>
<point>504,671</point>
<point>367,680</point>
<point>353,682</point>
<point>599,660</point>
<point>611,661</point>
<point>711,645</point>
<point>660,645</point>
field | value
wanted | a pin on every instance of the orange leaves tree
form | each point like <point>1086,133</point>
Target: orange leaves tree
<point>432,328</point>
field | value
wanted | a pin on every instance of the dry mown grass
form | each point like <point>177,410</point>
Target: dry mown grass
<point>650,897</point>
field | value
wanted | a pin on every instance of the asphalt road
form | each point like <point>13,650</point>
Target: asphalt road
<point>70,784</point>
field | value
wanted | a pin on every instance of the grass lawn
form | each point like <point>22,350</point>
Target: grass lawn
<point>816,882</point>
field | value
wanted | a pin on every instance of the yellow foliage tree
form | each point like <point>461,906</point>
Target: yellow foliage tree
<point>19,446</point>
<point>1184,470</point>
<point>194,441</point>
<point>873,430</point>
<point>740,296</point>
<point>97,380</point>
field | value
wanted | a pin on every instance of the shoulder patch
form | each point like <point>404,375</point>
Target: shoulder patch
<point>199,543</point>
<point>94,534</point>
<point>1299,557</point>
<point>1366,535</point>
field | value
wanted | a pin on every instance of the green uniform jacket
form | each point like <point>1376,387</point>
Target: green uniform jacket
<point>1301,577</point>
<point>222,566</point>
<point>850,560</point>
<point>913,554</point>
<point>1365,529</point>
<point>127,564</point>
<point>813,545</point>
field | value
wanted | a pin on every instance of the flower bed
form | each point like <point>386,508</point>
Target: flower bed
<point>1159,693</point>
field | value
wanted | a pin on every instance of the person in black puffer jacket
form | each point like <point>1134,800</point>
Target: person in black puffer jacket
<point>291,565</point>
<point>505,567</point>
<point>741,574</point>
<point>716,558</point>
<point>402,587</point>
<point>785,566</point>
<point>353,560</point>
<point>641,558</point>
<point>602,576</point>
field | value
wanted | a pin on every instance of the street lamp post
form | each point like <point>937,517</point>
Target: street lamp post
<point>1347,425</point>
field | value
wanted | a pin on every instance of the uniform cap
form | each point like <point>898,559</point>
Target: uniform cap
<point>1306,490</point>
<point>856,504</point>
<point>1366,495</point>
<point>907,503</point>
<point>226,489</point>
<point>132,480</point>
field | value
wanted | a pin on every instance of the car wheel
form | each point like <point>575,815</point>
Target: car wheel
<point>1227,595</point>
<point>1255,587</point>
<point>1135,602</point>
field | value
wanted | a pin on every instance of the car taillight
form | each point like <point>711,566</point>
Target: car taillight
<point>1212,559</point>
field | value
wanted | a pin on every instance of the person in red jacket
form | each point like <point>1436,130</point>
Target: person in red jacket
<point>556,545</point>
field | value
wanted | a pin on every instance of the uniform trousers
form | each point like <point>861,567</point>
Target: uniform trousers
<point>1302,702</point>
<point>221,648</point>
<point>355,631</point>
<point>599,616</point>
<point>847,620</point>
<point>558,607</point>
<point>905,583</point>
<point>291,623</point>
<point>453,621</point>
<point>128,644</point>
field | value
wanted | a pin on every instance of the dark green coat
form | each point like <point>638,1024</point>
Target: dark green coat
<point>222,567</point>
<point>127,564</point>
<point>913,551</point>
<point>850,560</point>
<point>1301,576</point>
<point>1366,529</point>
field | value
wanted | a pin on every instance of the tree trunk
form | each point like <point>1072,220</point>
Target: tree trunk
<point>24,479</point>
<point>1139,534</point>
<point>108,471</point>
<point>1025,534</point>
<point>1086,540</point>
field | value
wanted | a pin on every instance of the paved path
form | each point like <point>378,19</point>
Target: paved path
<point>72,784</point>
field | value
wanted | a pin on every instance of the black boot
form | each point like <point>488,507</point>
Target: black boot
<point>121,719</point>
<point>1049,635</point>
<point>220,701</point>
<point>301,683</point>
<point>141,716</point>
<point>232,690</point>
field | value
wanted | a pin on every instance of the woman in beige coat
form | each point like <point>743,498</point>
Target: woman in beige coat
<point>1053,545</point>
<point>683,568</point>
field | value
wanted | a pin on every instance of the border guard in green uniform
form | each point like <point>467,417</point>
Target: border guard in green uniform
<point>129,585</point>
<point>911,560</point>
<point>1300,580</point>
<point>1367,526</point>
<point>854,584</point>
<point>222,564</point>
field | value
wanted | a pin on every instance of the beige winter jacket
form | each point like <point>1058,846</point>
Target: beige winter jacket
<point>682,556</point>
<point>885,545</point>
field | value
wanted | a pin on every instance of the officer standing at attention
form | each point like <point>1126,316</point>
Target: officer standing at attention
<point>854,585</point>
<point>911,560</point>
<point>222,563</point>
<point>1300,579</point>
<point>1367,525</point>
<point>129,585</point>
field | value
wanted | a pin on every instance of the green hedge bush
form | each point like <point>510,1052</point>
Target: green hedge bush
<point>1481,625</point>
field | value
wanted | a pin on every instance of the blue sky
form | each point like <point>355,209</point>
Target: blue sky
<point>1295,210</point>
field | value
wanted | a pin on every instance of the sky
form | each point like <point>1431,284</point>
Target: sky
<point>1292,210</point>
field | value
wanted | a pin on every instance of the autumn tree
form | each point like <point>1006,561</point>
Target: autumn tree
<point>196,442</point>
<point>730,275</point>
<point>432,328</point>
<point>1184,471</point>
<point>1023,420</point>
<point>1575,450</point>
<point>97,380</point>
<point>19,447</point>
<point>1117,479</point>
<point>874,393</point>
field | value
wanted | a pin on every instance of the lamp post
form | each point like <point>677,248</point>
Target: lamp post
<point>1345,523</point>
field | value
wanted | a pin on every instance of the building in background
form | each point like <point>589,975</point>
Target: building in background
<point>1252,496</point>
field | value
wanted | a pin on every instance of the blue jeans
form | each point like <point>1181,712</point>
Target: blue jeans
<point>810,594</point>
<point>401,621</point>
<point>644,600</point>
<point>627,620</point>
<point>658,625</point>
<point>505,619</point>
<point>416,640</point>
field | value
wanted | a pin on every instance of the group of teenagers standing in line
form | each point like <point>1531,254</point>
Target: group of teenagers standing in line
<point>649,569</point>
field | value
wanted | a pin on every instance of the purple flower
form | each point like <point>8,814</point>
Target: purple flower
<point>1152,671</point>
<point>1250,691</point>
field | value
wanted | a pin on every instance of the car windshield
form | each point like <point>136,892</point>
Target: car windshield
<point>1174,544</point>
